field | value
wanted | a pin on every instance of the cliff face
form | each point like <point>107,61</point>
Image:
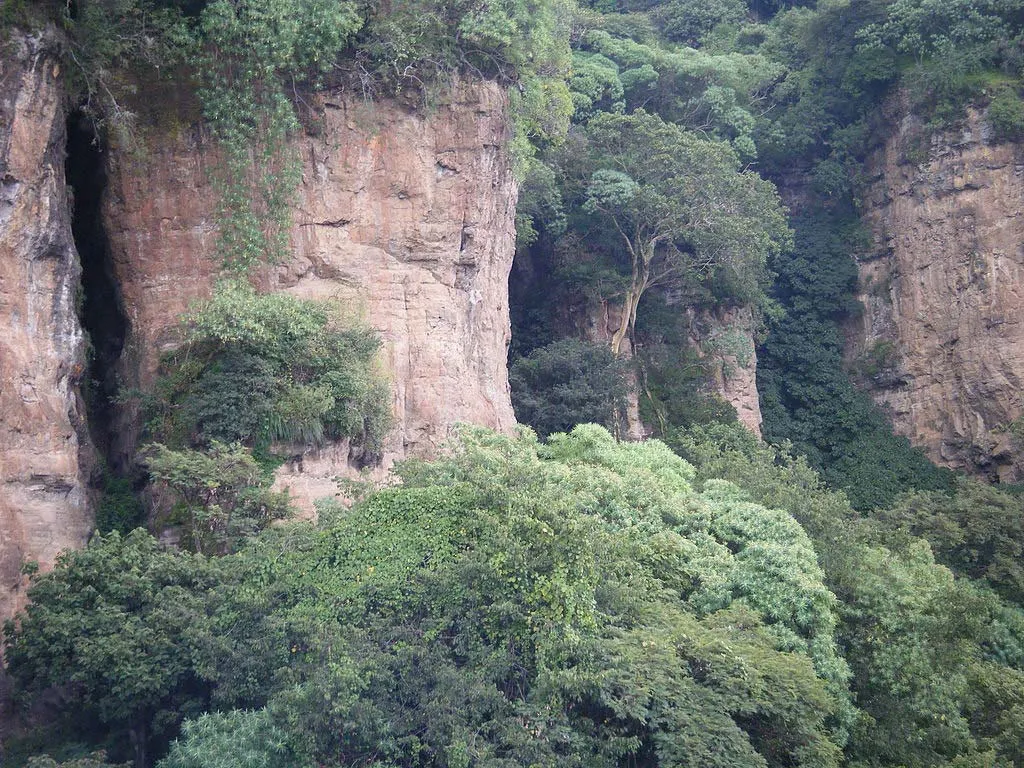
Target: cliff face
<point>726,336</point>
<point>45,456</point>
<point>406,216</point>
<point>942,336</point>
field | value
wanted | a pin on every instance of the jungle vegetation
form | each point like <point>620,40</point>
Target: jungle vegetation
<point>825,597</point>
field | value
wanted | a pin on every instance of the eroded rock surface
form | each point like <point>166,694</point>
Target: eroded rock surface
<point>942,337</point>
<point>406,216</point>
<point>723,337</point>
<point>45,455</point>
<point>726,337</point>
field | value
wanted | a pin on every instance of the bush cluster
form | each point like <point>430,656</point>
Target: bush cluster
<point>262,369</point>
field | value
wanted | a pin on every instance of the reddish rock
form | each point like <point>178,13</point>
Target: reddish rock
<point>942,339</point>
<point>45,455</point>
<point>404,216</point>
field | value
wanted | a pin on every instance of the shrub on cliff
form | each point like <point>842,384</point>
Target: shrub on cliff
<point>1006,113</point>
<point>263,368</point>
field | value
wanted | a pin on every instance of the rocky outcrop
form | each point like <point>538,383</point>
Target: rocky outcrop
<point>725,337</point>
<point>45,457</point>
<point>405,216</point>
<point>941,340</point>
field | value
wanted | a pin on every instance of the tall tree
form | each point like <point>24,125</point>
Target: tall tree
<point>681,206</point>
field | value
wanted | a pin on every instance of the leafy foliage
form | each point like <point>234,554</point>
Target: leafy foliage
<point>573,603</point>
<point>122,626</point>
<point>567,383</point>
<point>1006,113</point>
<point>119,508</point>
<point>978,531</point>
<point>807,397</point>
<point>925,648</point>
<point>688,21</point>
<point>226,499</point>
<point>230,740</point>
<point>263,368</point>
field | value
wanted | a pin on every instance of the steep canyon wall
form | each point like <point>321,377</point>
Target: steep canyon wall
<point>45,453</point>
<point>941,340</point>
<point>405,215</point>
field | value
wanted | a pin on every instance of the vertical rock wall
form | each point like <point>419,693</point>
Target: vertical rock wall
<point>406,216</point>
<point>941,341</point>
<point>45,457</point>
<point>725,336</point>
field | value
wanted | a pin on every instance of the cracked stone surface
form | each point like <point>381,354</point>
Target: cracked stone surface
<point>943,291</point>
<point>405,216</point>
<point>45,455</point>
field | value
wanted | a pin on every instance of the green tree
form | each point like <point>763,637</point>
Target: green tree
<point>237,739</point>
<point>566,383</point>
<point>122,625</point>
<point>977,531</point>
<point>680,206</point>
<point>925,648</point>
<point>579,606</point>
<point>687,21</point>
<point>224,491</point>
<point>258,368</point>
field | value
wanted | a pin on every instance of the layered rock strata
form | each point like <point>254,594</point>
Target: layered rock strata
<point>941,340</point>
<point>45,456</point>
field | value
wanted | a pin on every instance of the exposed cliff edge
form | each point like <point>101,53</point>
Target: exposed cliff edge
<point>406,216</point>
<point>941,341</point>
<point>45,454</point>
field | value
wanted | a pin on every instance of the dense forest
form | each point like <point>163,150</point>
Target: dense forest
<point>823,597</point>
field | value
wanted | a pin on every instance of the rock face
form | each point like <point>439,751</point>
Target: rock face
<point>942,336</point>
<point>726,336</point>
<point>45,455</point>
<point>405,216</point>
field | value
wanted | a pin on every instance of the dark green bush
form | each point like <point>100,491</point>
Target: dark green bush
<point>807,396</point>
<point>978,531</point>
<point>566,383</point>
<point>1006,113</point>
<point>119,508</point>
<point>259,369</point>
<point>687,21</point>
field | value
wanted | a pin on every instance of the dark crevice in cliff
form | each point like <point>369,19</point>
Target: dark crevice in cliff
<point>100,309</point>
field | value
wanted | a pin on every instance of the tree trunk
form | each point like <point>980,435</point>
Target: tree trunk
<point>624,323</point>
<point>639,282</point>
<point>137,736</point>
